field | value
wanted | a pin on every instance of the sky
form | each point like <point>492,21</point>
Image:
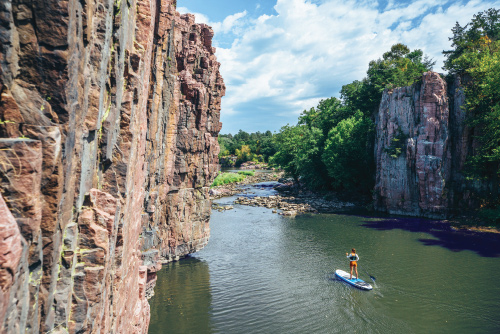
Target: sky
<point>280,57</point>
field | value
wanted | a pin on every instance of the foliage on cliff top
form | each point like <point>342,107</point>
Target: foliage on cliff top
<point>398,67</point>
<point>467,39</point>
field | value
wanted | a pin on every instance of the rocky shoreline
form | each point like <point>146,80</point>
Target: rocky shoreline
<point>292,206</point>
<point>291,199</point>
<point>232,189</point>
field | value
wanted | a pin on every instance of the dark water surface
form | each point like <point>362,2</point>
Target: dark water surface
<point>264,273</point>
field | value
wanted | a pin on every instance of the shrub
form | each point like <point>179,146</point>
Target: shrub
<point>225,178</point>
<point>398,145</point>
<point>247,172</point>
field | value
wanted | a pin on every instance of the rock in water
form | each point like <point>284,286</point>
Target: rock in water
<point>110,117</point>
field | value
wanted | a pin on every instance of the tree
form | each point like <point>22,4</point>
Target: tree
<point>398,67</point>
<point>245,154</point>
<point>349,163</point>
<point>326,115</point>
<point>225,145</point>
<point>482,103</point>
<point>297,149</point>
<point>466,39</point>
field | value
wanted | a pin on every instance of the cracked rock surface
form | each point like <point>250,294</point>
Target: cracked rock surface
<point>109,117</point>
<point>421,148</point>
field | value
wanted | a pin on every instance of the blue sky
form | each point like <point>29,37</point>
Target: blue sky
<point>279,57</point>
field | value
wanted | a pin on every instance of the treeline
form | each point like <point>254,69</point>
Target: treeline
<point>256,147</point>
<point>331,146</point>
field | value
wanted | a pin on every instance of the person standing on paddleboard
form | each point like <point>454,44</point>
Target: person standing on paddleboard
<point>353,257</point>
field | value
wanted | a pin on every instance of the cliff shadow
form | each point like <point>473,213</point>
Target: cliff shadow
<point>484,244</point>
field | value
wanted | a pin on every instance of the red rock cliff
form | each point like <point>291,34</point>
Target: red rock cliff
<point>426,177</point>
<point>109,116</point>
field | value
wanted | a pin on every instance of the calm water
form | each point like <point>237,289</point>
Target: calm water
<point>264,273</point>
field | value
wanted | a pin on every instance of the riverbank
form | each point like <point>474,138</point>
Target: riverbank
<point>291,205</point>
<point>464,223</point>
<point>292,200</point>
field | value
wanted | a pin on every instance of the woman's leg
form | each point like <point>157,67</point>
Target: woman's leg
<point>351,270</point>
<point>356,272</point>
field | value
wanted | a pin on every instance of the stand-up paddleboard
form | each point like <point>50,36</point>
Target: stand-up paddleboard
<point>358,283</point>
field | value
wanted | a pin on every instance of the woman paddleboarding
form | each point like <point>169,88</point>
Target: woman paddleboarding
<point>354,258</point>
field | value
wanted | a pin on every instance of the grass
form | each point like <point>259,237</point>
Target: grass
<point>247,172</point>
<point>225,178</point>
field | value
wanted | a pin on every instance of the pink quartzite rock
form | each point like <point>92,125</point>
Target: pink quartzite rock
<point>428,177</point>
<point>120,104</point>
<point>413,183</point>
<point>10,254</point>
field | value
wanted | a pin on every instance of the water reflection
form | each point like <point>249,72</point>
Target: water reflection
<point>183,298</point>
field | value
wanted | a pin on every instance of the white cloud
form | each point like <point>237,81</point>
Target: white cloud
<point>229,23</point>
<point>224,27</point>
<point>307,51</point>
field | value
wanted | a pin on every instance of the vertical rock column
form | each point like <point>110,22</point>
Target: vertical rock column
<point>412,149</point>
<point>182,144</point>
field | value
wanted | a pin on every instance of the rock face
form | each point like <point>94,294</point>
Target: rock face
<point>109,116</point>
<point>421,147</point>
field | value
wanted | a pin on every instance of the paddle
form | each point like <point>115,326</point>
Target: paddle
<point>372,278</point>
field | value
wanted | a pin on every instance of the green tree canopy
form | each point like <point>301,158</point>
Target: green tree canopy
<point>398,67</point>
<point>482,92</point>
<point>349,163</point>
<point>467,39</point>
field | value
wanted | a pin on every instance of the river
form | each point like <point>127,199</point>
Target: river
<point>265,273</point>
